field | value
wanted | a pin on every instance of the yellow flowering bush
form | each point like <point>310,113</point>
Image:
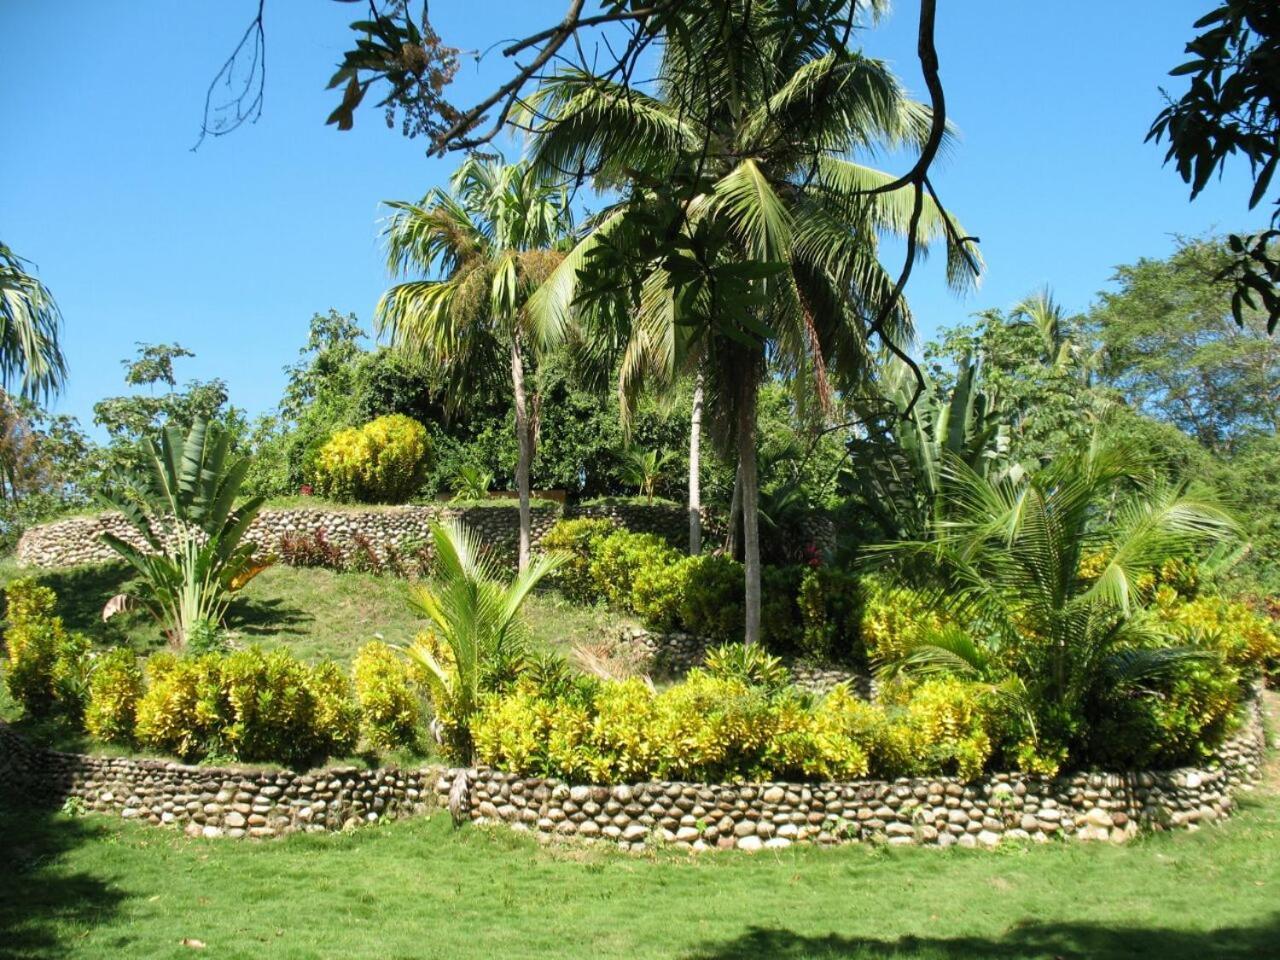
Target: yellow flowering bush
<point>384,461</point>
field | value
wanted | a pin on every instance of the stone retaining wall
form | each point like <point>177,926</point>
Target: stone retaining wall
<point>214,802</point>
<point>938,811</point>
<point>78,540</point>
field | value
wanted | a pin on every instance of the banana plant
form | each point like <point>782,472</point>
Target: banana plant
<point>194,555</point>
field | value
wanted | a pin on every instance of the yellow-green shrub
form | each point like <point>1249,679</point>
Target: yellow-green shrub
<point>938,725</point>
<point>251,705</point>
<point>185,708</point>
<point>617,558</point>
<point>578,540</point>
<point>658,590</point>
<point>894,619</point>
<point>1247,640</point>
<point>46,663</point>
<point>115,687</point>
<point>384,461</point>
<point>390,706</point>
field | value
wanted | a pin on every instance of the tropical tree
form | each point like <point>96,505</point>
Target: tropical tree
<point>491,243</point>
<point>478,640</point>
<point>1050,571</point>
<point>771,255</point>
<point>30,324</point>
<point>194,554</point>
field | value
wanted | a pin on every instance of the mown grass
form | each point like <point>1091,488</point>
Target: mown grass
<point>317,613</point>
<point>96,887</point>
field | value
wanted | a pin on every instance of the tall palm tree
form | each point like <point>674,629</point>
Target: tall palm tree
<point>30,324</point>
<point>491,243</point>
<point>775,261</point>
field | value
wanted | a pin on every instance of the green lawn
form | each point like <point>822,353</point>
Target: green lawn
<point>316,613</point>
<point>96,887</point>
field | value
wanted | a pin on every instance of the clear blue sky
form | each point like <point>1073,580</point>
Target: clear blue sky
<point>231,249</point>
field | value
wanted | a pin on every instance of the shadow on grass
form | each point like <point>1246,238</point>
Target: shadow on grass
<point>1032,940</point>
<point>267,617</point>
<point>42,903</point>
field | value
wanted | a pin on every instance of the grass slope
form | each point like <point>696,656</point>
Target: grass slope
<point>92,887</point>
<point>316,613</point>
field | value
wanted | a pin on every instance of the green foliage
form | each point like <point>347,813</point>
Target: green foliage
<point>940,725</point>
<point>711,605</point>
<point>115,687</point>
<point>184,510</point>
<point>471,483</point>
<point>477,641</point>
<point>750,665</point>
<point>619,556</point>
<point>382,462</point>
<point>251,705</point>
<point>895,619</point>
<point>578,542</point>
<point>47,666</point>
<point>390,704</point>
<point>644,469</point>
<point>1054,599</point>
<point>30,326</point>
<point>1171,348</point>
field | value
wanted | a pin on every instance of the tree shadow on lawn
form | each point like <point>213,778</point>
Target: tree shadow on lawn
<point>1029,941</point>
<point>267,617</point>
<point>41,903</point>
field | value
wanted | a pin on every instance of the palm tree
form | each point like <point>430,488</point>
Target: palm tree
<point>491,242</point>
<point>478,638</point>
<point>1047,568</point>
<point>644,469</point>
<point>775,258</point>
<point>30,323</point>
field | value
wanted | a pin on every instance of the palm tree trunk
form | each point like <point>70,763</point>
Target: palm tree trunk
<point>524,439</point>
<point>695,470</point>
<point>750,511</point>
<point>735,510</point>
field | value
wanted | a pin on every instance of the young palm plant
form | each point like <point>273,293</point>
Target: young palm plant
<point>644,469</point>
<point>185,512</point>
<point>30,323</point>
<point>477,640</point>
<point>491,243</point>
<point>769,252</point>
<point>1046,571</point>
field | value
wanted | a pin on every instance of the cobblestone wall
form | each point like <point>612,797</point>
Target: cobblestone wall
<point>214,802</point>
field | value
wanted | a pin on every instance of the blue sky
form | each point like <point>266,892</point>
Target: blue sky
<point>231,249</point>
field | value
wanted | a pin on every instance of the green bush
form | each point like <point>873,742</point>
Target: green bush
<point>384,461</point>
<point>578,540</point>
<point>185,709</point>
<point>115,687</point>
<point>658,590</point>
<point>1179,721</point>
<point>750,665</point>
<point>939,725</point>
<point>1247,640</point>
<point>46,664</point>
<point>712,602</point>
<point>780,627</point>
<point>390,706</point>
<point>617,558</point>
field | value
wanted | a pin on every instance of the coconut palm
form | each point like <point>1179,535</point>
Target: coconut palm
<point>770,253</point>
<point>30,323</point>
<point>644,469</point>
<point>490,241</point>
<point>477,637</point>
<point>1048,569</point>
